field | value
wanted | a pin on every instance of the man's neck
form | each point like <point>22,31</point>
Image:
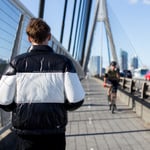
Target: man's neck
<point>43,43</point>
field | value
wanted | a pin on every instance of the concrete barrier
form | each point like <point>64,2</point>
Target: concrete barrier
<point>139,106</point>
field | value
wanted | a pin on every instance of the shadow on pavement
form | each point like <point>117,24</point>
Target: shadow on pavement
<point>8,142</point>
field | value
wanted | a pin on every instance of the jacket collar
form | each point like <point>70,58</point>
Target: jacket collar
<point>40,48</point>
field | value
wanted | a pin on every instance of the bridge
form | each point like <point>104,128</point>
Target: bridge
<point>92,126</point>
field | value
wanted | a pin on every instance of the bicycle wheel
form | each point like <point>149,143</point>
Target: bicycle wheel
<point>113,108</point>
<point>113,103</point>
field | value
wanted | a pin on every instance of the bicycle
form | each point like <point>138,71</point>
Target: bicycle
<point>112,97</point>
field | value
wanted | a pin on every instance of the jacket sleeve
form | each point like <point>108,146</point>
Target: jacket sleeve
<point>74,91</point>
<point>73,106</point>
<point>7,89</point>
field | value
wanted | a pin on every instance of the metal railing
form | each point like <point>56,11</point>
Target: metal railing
<point>136,87</point>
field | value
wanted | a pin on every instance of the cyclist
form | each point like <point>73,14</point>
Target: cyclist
<point>111,77</point>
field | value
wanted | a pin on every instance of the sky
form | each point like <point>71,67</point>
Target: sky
<point>133,16</point>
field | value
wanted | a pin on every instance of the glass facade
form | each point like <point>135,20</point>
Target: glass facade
<point>134,62</point>
<point>124,60</point>
<point>24,41</point>
<point>94,66</point>
<point>9,18</point>
<point>14,17</point>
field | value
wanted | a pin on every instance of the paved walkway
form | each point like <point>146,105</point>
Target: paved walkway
<point>94,127</point>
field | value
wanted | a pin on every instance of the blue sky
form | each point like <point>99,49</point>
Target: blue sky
<point>133,16</point>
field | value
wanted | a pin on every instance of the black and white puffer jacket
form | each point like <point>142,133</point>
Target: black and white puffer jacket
<point>39,87</point>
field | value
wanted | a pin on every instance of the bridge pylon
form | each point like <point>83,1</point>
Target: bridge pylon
<point>103,17</point>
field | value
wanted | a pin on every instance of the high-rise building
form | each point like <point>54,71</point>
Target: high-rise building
<point>123,60</point>
<point>94,65</point>
<point>134,62</point>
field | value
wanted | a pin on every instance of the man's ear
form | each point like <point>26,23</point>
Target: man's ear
<point>49,36</point>
<point>29,39</point>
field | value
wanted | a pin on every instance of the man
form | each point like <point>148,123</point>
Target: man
<point>111,79</point>
<point>39,87</point>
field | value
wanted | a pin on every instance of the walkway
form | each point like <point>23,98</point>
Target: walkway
<point>93,127</point>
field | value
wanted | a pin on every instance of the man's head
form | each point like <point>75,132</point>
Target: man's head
<point>38,31</point>
<point>113,64</point>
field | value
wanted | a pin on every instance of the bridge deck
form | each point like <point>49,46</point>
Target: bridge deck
<point>94,127</point>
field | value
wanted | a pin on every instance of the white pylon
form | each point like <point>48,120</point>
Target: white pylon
<point>103,17</point>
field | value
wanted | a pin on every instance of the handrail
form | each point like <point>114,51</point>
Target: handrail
<point>134,85</point>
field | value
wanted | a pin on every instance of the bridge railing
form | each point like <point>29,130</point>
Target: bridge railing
<point>136,87</point>
<point>136,94</point>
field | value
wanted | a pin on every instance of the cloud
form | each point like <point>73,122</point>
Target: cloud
<point>133,1</point>
<point>146,2</point>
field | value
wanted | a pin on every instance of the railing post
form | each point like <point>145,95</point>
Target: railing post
<point>144,87</point>
<point>123,83</point>
<point>41,8</point>
<point>0,118</point>
<point>131,86</point>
